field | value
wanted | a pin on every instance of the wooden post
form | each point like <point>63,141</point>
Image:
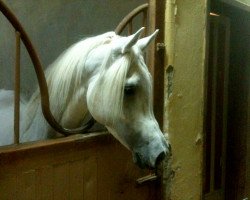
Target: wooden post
<point>156,55</point>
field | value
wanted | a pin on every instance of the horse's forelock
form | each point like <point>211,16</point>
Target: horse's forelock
<point>109,88</point>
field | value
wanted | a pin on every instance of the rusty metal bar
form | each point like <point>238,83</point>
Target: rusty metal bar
<point>40,76</point>
<point>144,20</point>
<point>130,27</point>
<point>17,91</point>
<point>121,26</point>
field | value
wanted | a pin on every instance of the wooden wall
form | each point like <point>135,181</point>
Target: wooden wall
<point>95,167</point>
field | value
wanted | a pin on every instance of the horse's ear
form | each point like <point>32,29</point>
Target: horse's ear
<point>131,41</point>
<point>144,42</point>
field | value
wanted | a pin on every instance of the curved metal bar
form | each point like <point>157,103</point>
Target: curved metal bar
<point>126,20</point>
<point>41,77</point>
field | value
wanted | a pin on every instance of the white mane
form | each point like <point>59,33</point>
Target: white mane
<point>110,86</point>
<point>65,75</point>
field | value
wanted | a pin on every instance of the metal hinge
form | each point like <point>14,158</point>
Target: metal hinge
<point>160,46</point>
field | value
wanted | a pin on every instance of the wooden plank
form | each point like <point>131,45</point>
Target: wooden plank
<point>61,182</point>
<point>226,23</point>
<point>8,186</point>
<point>215,195</point>
<point>217,94</point>
<point>76,180</point>
<point>107,176</point>
<point>213,116</point>
<point>151,28</point>
<point>117,176</point>
<point>156,56</point>
<point>45,183</point>
<point>26,185</point>
<point>89,137</point>
<point>90,191</point>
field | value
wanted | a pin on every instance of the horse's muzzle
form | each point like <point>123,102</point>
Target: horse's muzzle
<point>143,162</point>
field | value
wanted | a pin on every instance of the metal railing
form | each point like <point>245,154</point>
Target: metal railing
<point>128,20</point>
<point>22,36</point>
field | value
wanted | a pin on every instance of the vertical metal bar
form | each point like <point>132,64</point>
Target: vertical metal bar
<point>130,27</point>
<point>144,21</point>
<point>17,91</point>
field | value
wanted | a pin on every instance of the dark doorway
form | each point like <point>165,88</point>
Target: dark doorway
<point>235,170</point>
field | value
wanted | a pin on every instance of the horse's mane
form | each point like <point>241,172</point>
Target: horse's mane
<point>65,75</point>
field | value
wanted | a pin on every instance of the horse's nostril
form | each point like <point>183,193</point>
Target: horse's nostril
<point>160,158</point>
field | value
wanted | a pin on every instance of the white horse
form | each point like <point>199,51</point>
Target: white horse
<point>105,76</point>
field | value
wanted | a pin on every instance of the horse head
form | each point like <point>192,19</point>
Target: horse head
<point>119,96</point>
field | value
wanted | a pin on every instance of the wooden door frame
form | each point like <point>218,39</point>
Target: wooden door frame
<point>210,180</point>
<point>156,61</point>
<point>157,55</point>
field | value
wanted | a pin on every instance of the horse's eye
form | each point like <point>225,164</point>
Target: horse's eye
<point>129,90</point>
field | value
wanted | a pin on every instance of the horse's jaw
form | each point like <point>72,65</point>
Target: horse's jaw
<point>148,148</point>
